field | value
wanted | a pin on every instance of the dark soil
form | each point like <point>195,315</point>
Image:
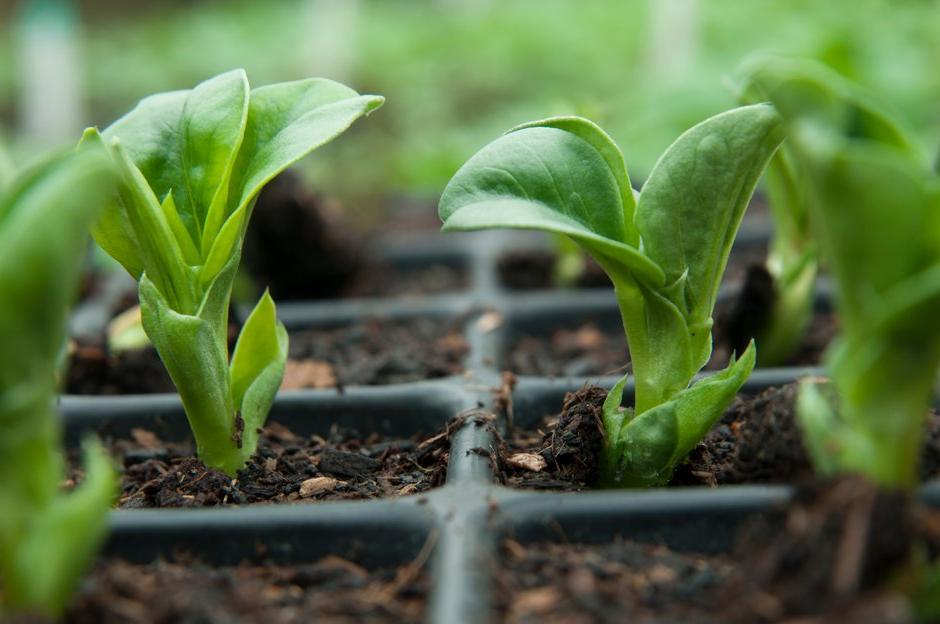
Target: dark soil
<point>300,247</point>
<point>287,468</point>
<point>386,280</point>
<point>93,369</point>
<point>548,583</point>
<point>372,352</point>
<point>592,349</point>
<point>532,269</point>
<point>757,440</point>
<point>331,590</point>
<point>562,454</point>
<point>831,556</point>
<point>379,352</point>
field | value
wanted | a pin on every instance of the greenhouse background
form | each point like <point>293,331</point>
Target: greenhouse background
<point>454,72</point>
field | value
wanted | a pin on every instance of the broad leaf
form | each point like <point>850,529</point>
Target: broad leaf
<point>694,200</point>
<point>550,178</point>
<point>287,121</point>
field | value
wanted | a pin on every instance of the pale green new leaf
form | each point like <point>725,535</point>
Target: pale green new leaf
<point>258,366</point>
<point>194,162</point>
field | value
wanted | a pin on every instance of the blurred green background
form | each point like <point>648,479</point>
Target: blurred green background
<point>456,73</point>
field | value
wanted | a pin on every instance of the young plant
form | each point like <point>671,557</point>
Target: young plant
<point>665,250</point>
<point>192,164</point>
<point>792,264</point>
<point>47,537</point>
<point>875,207</point>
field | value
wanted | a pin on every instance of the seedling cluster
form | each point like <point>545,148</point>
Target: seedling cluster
<point>168,191</point>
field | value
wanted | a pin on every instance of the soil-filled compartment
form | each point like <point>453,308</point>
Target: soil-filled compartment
<point>736,555</point>
<point>552,439</point>
<point>584,336</point>
<point>382,443</point>
<point>261,565</point>
<point>363,351</point>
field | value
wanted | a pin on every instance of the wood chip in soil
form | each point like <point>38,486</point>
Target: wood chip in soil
<point>331,590</point>
<point>370,352</point>
<point>288,468</point>
<point>757,440</point>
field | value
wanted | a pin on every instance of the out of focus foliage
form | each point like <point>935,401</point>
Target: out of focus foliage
<point>457,72</point>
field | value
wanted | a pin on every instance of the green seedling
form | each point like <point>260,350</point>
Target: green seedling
<point>874,204</point>
<point>47,537</point>
<point>665,250</point>
<point>191,165</point>
<point>792,261</point>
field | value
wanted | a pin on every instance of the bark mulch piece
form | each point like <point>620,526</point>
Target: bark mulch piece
<point>288,468</point>
<point>837,553</point>
<point>330,590</point>
<point>370,352</point>
<point>757,440</point>
<point>592,349</point>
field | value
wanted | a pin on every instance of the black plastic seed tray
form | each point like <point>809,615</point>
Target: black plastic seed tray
<point>466,518</point>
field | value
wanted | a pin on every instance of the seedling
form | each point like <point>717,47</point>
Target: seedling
<point>792,262</point>
<point>192,164</point>
<point>874,203</point>
<point>665,250</point>
<point>47,537</point>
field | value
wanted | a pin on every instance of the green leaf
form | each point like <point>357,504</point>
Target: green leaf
<point>198,364</point>
<point>287,121</point>
<point>653,443</point>
<point>113,231</point>
<point>693,202</point>
<point>857,234</point>
<point>61,541</point>
<point>46,538</point>
<point>212,125</point>
<point>259,345</point>
<point>258,366</point>
<point>43,222</point>
<point>810,91</point>
<point>7,168</point>
<point>549,178</point>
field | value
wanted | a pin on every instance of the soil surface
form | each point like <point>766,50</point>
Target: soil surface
<point>379,352</point>
<point>331,590</point>
<point>757,440</point>
<point>594,349</point>
<point>833,555</point>
<point>549,583</point>
<point>287,468</point>
<point>532,269</point>
<point>371,352</point>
